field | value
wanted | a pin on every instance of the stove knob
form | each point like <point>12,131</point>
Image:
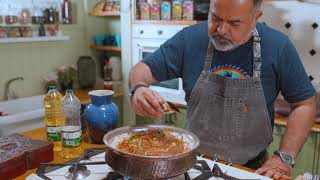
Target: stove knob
<point>160,32</point>
<point>141,32</point>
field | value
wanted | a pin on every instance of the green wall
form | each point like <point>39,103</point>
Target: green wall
<point>33,60</point>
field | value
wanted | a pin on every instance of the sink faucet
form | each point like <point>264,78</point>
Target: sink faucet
<point>7,88</point>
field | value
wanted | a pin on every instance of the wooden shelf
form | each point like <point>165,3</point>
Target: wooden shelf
<point>106,48</point>
<point>34,39</point>
<point>188,23</point>
<point>114,14</point>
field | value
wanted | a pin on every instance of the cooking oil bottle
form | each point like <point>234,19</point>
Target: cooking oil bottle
<point>71,131</point>
<point>54,116</point>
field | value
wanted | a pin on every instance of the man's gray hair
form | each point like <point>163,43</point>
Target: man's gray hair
<point>257,3</point>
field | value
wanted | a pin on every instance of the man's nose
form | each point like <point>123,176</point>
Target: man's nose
<point>222,28</point>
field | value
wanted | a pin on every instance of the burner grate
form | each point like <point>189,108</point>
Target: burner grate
<point>207,173</point>
<point>75,164</point>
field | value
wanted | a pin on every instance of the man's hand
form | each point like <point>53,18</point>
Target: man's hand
<point>148,103</point>
<point>275,168</point>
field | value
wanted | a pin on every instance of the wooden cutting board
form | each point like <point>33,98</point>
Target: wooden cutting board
<point>19,153</point>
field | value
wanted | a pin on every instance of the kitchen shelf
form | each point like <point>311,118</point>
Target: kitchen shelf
<point>106,48</point>
<point>114,14</point>
<point>34,39</point>
<point>165,22</point>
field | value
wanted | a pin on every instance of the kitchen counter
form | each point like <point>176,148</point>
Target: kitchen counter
<point>41,135</point>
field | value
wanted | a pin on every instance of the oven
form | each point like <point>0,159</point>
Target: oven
<point>147,38</point>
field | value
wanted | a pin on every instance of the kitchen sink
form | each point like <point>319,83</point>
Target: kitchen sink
<point>21,115</point>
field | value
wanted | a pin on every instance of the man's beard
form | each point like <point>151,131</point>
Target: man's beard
<point>224,44</point>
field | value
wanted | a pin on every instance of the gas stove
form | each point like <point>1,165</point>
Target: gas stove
<point>92,166</point>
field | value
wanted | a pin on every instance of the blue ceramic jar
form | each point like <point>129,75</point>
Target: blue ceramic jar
<point>101,115</point>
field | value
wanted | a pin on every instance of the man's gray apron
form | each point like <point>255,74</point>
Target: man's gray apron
<point>230,115</point>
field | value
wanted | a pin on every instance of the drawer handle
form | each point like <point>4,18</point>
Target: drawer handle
<point>141,32</point>
<point>160,32</point>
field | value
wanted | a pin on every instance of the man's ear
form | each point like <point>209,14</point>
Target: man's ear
<point>258,15</point>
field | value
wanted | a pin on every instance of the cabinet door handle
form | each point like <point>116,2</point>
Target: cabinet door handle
<point>141,32</point>
<point>160,32</point>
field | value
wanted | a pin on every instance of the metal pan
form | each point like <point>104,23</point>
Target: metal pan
<point>149,167</point>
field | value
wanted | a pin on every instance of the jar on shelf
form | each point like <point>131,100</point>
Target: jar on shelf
<point>187,10</point>
<point>145,11</point>
<point>3,10</point>
<point>176,10</point>
<point>3,33</point>
<point>165,10</point>
<point>25,31</point>
<point>155,11</point>
<point>67,12</point>
<point>13,33</point>
<point>25,16</point>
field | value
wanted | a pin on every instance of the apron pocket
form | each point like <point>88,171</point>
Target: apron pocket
<point>226,117</point>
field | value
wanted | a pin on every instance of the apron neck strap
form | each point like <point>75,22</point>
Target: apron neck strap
<point>209,55</point>
<point>257,59</point>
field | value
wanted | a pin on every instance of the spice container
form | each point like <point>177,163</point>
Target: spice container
<point>166,10</point>
<point>2,32</point>
<point>3,10</point>
<point>188,10</point>
<point>25,32</point>
<point>1,15</point>
<point>145,11</point>
<point>176,10</point>
<point>13,33</point>
<point>25,16</point>
<point>155,11</point>
<point>11,19</point>
<point>67,12</point>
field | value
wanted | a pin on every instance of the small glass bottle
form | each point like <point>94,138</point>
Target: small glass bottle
<point>107,75</point>
<point>66,12</point>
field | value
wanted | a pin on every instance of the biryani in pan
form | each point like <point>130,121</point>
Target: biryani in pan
<point>153,143</point>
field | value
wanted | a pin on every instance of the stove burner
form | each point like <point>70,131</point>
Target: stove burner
<point>78,172</point>
<point>77,168</point>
